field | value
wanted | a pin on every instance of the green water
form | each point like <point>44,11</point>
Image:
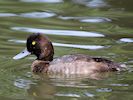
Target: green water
<point>95,27</point>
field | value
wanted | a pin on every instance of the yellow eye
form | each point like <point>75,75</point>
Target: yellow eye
<point>34,94</point>
<point>33,42</point>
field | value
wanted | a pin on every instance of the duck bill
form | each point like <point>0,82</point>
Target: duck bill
<point>22,54</point>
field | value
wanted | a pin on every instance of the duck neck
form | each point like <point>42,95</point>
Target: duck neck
<point>48,58</point>
<point>47,53</point>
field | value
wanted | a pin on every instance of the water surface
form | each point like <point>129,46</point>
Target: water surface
<point>101,28</point>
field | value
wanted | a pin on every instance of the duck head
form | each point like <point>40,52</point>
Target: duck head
<point>38,45</point>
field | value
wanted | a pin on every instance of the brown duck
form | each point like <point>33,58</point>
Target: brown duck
<point>42,47</point>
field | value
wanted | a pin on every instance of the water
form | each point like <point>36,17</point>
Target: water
<point>94,27</point>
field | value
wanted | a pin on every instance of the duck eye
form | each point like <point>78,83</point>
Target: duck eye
<point>33,42</point>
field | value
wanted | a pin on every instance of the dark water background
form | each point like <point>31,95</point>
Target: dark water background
<point>94,27</point>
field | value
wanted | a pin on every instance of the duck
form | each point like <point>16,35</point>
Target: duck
<point>40,45</point>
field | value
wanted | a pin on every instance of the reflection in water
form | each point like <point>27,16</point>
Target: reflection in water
<point>48,86</point>
<point>96,3</point>
<point>78,77</point>
<point>68,95</point>
<point>92,3</point>
<point>21,83</point>
<point>38,14</point>
<point>29,15</point>
<point>126,40</point>
<point>91,47</point>
<point>89,94</point>
<point>45,88</point>
<point>104,90</point>
<point>95,20</point>
<point>47,1</point>
<point>87,19</point>
<point>7,14</point>
<point>119,85</point>
<point>41,90</point>
<point>59,32</point>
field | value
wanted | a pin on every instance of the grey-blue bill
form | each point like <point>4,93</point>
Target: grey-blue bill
<point>22,54</point>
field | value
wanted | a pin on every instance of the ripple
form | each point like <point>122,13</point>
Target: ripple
<point>92,3</point>
<point>59,32</point>
<point>28,74</point>
<point>17,41</point>
<point>22,83</point>
<point>95,20</point>
<point>96,3</point>
<point>91,47</point>
<point>104,90</point>
<point>126,40</point>
<point>72,86</point>
<point>45,1</point>
<point>37,15</point>
<point>68,95</point>
<point>87,19</point>
<point>89,94</point>
<point>119,84</point>
<point>68,17</point>
<point>7,14</point>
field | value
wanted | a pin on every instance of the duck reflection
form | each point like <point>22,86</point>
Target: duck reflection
<point>47,86</point>
<point>41,90</point>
